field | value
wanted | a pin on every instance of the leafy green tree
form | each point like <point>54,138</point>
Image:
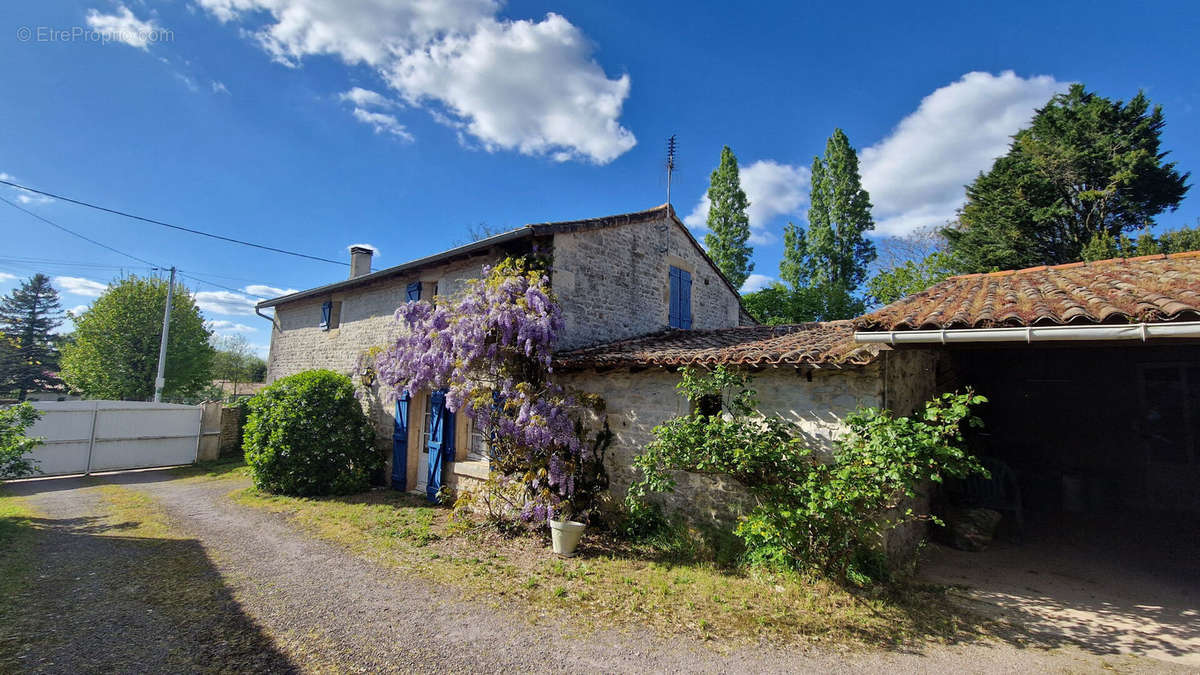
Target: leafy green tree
<point>779,304</point>
<point>793,268</point>
<point>825,266</point>
<point>1087,166</point>
<point>14,444</point>
<point>234,361</point>
<point>115,350</point>
<point>728,224</point>
<point>911,276</point>
<point>28,317</point>
<point>837,251</point>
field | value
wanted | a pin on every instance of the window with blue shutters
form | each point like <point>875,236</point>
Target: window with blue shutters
<point>679,314</point>
<point>331,314</point>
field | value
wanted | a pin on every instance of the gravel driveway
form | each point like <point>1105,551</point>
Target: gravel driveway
<point>282,601</point>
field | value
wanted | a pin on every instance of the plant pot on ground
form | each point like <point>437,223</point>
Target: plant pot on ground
<point>564,536</point>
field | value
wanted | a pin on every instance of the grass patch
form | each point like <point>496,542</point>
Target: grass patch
<point>617,584</point>
<point>214,470</point>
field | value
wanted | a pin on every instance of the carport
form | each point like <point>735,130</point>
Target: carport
<point>1092,371</point>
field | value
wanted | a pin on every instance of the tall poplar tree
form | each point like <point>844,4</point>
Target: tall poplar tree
<point>28,317</point>
<point>728,224</point>
<point>839,216</point>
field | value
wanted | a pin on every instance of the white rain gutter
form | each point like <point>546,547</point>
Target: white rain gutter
<point>1030,334</point>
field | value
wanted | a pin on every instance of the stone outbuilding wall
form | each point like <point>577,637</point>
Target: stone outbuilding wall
<point>817,400</point>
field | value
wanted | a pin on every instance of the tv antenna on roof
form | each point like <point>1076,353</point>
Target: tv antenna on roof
<point>670,164</point>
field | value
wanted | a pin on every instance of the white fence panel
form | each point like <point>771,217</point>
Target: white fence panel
<point>90,436</point>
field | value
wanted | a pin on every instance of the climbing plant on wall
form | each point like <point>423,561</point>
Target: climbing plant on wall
<point>490,348</point>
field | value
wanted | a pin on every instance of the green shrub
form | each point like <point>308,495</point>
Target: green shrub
<point>814,512</point>
<point>306,435</point>
<point>14,444</point>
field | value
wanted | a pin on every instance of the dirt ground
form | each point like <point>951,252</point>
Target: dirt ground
<point>1113,585</point>
<point>276,600</point>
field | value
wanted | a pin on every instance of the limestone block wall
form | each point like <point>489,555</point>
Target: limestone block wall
<point>612,283</point>
<point>637,402</point>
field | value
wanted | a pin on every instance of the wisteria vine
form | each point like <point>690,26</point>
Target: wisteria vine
<point>490,348</point>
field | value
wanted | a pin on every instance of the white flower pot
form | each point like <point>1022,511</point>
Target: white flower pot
<point>564,535</point>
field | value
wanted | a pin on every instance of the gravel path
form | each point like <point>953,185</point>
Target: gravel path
<point>287,602</point>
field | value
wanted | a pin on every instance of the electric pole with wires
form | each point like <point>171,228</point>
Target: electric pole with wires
<point>161,381</point>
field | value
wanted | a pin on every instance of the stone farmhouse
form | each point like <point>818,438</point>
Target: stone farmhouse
<point>1093,369</point>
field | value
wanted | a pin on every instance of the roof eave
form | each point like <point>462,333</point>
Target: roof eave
<point>459,251</point>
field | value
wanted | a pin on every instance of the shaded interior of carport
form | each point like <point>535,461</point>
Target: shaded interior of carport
<point>1103,440</point>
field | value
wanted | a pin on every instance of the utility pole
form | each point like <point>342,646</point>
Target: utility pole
<point>670,164</point>
<point>160,381</point>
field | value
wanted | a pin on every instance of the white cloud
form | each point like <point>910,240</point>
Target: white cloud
<point>383,123</point>
<point>80,286</point>
<point>78,309</point>
<point>526,85</point>
<point>264,291</point>
<point>25,196</point>
<point>31,198</point>
<point>222,326</point>
<point>224,302</point>
<point>219,87</point>
<point>756,282</point>
<point>5,276</point>
<point>365,98</point>
<point>773,190</point>
<point>916,175</point>
<point>124,27</point>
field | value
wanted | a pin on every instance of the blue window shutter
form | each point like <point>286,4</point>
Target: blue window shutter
<point>685,299</point>
<point>400,444</point>
<point>437,437</point>
<point>414,291</point>
<point>326,311</point>
<point>673,314</point>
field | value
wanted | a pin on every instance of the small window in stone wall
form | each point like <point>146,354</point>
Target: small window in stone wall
<point>709,405</point>
<point>331,315</point>
<point>679,314</point>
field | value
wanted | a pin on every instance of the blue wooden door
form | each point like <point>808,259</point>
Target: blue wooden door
<point>400,444</point>
<point>440,443</point>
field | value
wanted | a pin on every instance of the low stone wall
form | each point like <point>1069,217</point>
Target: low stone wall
<point>816,400</point>
<point>232,419</point>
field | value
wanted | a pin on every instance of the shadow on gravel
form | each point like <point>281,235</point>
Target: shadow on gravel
<point>85,597</point>
<point>34,486</point>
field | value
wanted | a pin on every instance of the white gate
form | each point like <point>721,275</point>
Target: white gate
<point>91,436</point>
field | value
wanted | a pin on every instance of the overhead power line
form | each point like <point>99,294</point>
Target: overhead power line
<point>173,227</point>
<point>73,233</point>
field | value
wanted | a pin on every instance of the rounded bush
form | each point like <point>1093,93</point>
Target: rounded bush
<point>306,435</point>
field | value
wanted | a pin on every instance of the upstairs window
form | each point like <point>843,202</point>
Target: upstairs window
<point>680,313</point>
<point>331,315</point>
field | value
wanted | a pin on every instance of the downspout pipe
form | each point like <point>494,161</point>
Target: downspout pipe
<point>1030,334</point>
<point>258,311</point>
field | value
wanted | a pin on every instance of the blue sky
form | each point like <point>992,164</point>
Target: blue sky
<point>315,124</point>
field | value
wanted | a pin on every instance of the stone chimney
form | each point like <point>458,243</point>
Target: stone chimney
<point>360,261</point>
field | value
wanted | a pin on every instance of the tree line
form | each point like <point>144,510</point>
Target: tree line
<point>113,351</point>
<point>1084,181</point>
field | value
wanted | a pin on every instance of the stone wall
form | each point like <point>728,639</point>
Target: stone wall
<point>299,343</point>
<point>612,283</point>
<point>637,402</point>
<point>233,417</point>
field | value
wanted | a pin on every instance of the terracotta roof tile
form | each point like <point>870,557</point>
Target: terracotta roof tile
<point>818,344</point>
<point>1150,289</point>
